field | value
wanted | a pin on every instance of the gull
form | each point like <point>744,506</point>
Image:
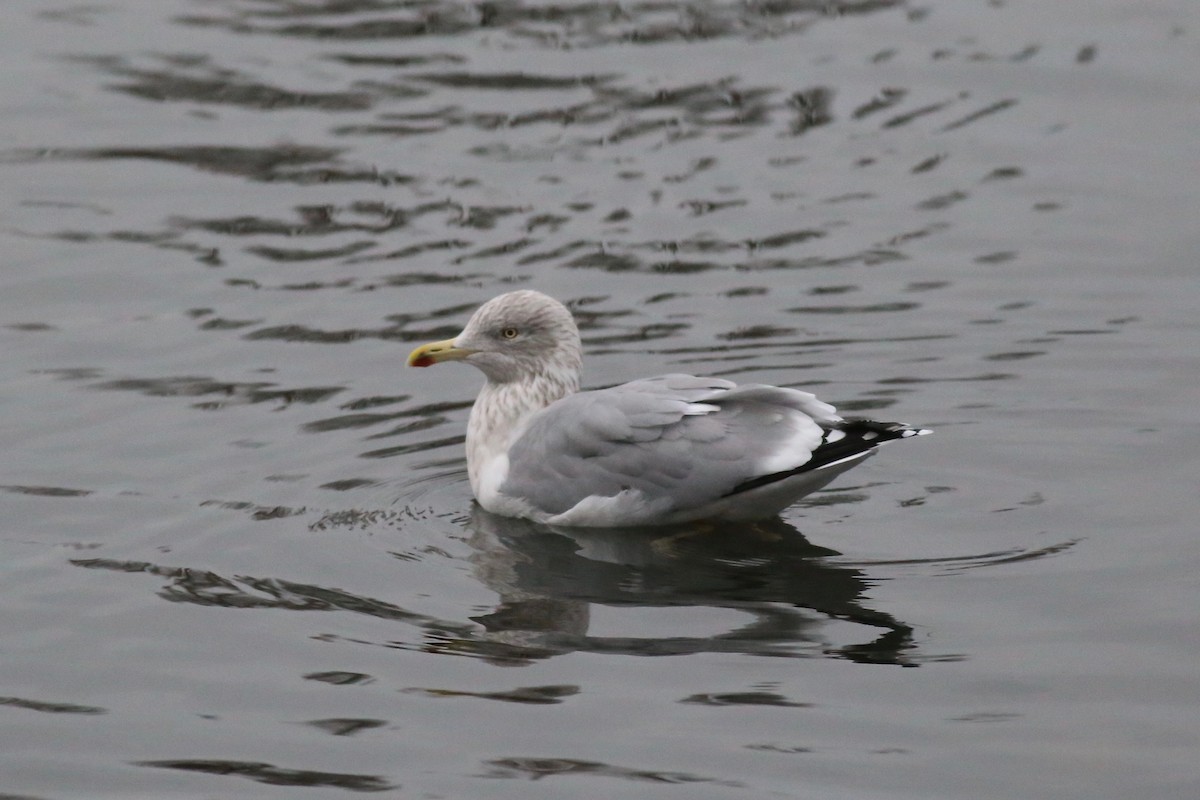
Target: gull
<point>656,451</point>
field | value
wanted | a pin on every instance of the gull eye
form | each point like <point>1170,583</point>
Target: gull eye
<point>509,333</point>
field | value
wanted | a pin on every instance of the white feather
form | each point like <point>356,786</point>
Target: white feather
<point>794,447</point>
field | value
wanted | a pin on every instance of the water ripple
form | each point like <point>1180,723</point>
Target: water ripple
<point>273,775</point>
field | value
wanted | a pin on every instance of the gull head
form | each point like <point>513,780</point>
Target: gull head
<point>518,337</point>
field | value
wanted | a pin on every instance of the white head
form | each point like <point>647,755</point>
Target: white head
<point>518,337</point>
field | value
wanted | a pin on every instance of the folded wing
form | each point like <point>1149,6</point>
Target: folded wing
<point>676,442</point>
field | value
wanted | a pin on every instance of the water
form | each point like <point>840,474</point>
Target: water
<point>239,556</point>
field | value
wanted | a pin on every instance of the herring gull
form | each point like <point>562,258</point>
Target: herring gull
<point>656,451</point>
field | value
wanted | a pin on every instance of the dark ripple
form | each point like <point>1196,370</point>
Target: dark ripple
<point>976,560</point>
<point>928,164</point>
<point>47,707</point>
<point>206,588</point>
<point>415,426</point>
<point>994,108</point>
<point>784,367</point>
<point>541,24</point>
<point>609,262</point>
<point>700,353</point>
<point>46,491</point>
<point>540,768</point>
<point>374,402</point>
<point>194,78</point>
<point>1004,173</point>
<point>445,22</point>
<point>941,201</point>
<point>222,324</point>
<point>613,257</point>
<point>996,258</point>
<point>30,327</point>
<point>784,239</point>
<point>744,699</point>
<point>887,98</point>
<point>508,80</point>
<point>1015,355</point>
<point>340,678</point>
<point>308,334</point>
<point>915,114</point>
<point>415,447</point>
<point>525,695</point>
<point>873,308</point>
<point>987,376</point>
<point>257,512</point>
<point>416,60</point>
<point>272,775</point>
<point>231,392</point>
<point>297,254</point>
<point>756,332</point>
<point>346,727</point>
<point>700,208</point>
<point>642,333</point>
<point>348,484</point>
<point>361,217</point>
<point>165,86</point>
<point>282,163</point>
<point>348,421</point>
<point>870,257</point>
<point>862,406</point>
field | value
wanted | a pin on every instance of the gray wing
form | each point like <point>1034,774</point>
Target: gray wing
<point>677,438</point>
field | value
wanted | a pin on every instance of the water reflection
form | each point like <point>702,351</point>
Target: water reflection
<point>548,580</point>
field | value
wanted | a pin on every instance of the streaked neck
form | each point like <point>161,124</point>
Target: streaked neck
<point>501,412</point>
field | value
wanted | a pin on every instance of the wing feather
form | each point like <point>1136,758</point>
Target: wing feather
<point>678,440</point>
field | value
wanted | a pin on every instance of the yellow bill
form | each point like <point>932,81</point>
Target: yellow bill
<point>435,352</point>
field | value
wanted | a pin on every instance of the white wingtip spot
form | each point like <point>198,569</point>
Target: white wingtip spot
<point>834,436</point>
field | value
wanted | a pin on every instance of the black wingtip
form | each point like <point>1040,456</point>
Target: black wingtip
<point>848,440</point>
<point>872,431</point>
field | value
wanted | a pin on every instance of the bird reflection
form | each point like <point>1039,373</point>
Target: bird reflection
<point>548,579</point>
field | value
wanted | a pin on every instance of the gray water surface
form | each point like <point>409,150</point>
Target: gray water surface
<point>238,551</point>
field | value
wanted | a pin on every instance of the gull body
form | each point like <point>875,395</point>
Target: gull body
<point>655,451</point>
